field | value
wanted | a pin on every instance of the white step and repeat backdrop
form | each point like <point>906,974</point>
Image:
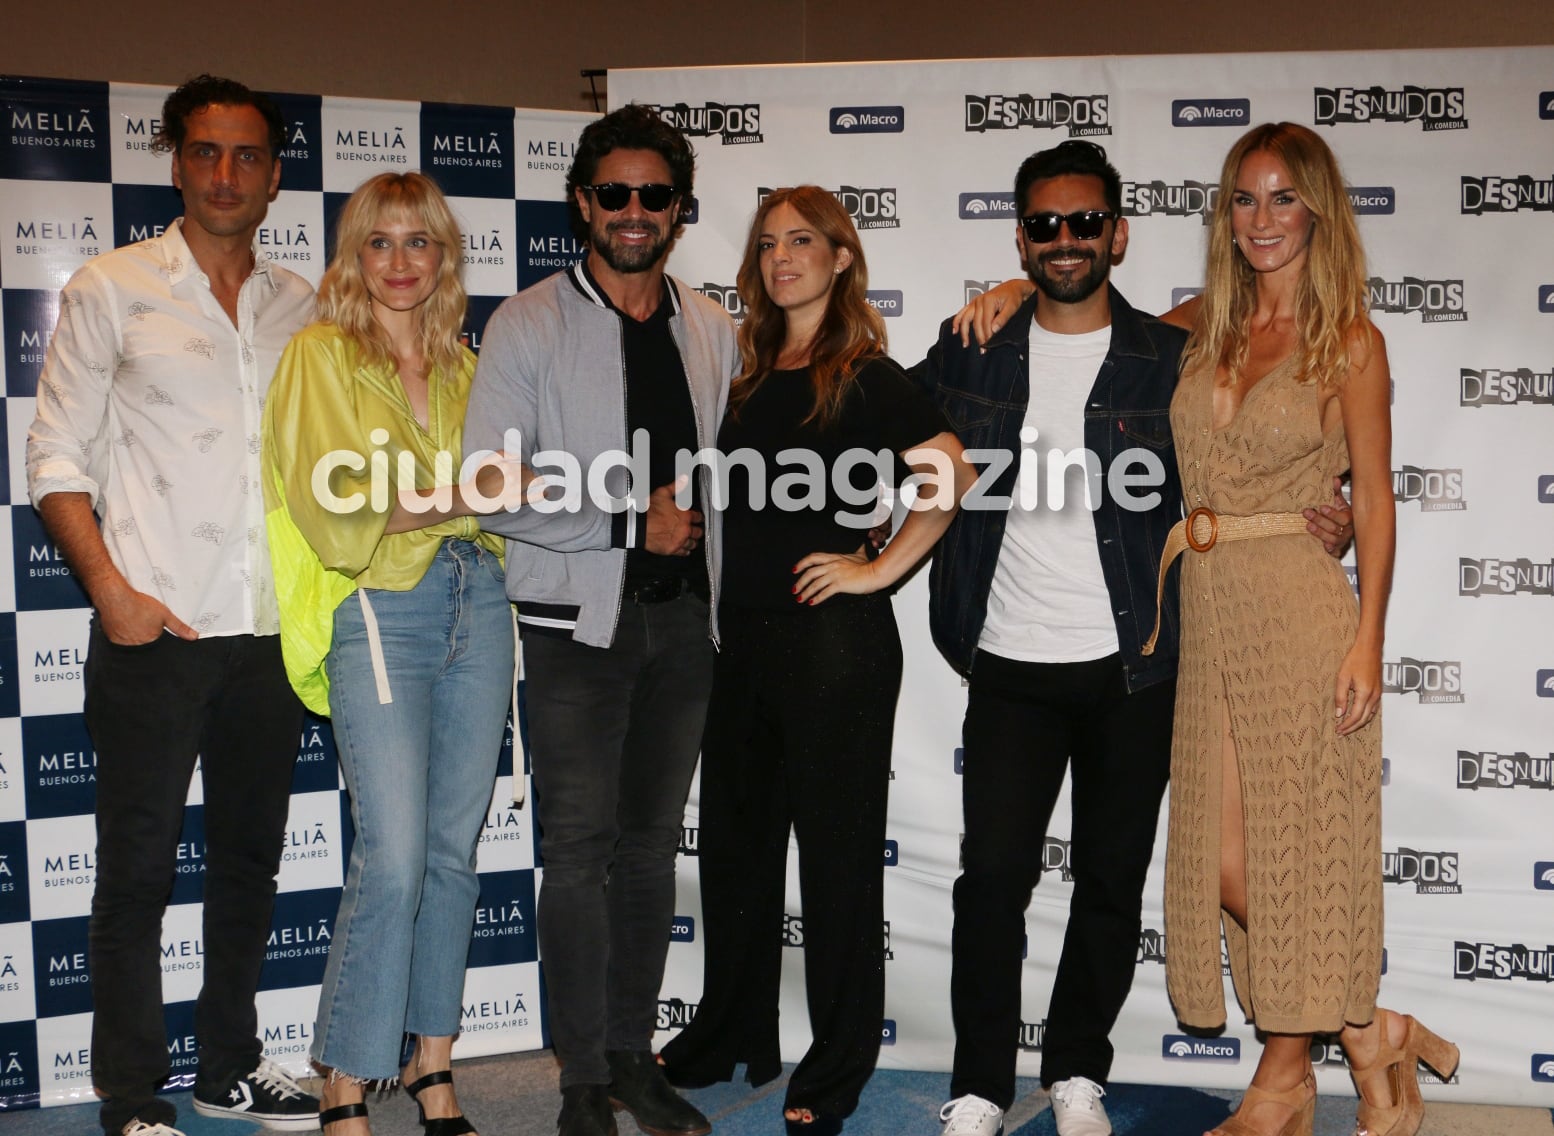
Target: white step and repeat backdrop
<point>1450,156</point>
<point>77,178</point>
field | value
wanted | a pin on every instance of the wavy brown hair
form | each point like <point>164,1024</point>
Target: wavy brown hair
<point>850,332</point>
<point>1330,297</point>
<point>342,294</point>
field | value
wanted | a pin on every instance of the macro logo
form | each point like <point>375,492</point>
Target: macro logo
<point>59,762</point>
<point>1502,194</point>
<point>1434,108</point>
<point>1486,769</point>
<point>1431,873</point>
<point>1372,200</point>
<point>971,289</point>
<point>676,1013</point>
<point>889,955</point>
<point>1546,489</point>
<point>682,929</point>
<point>1436,301</point>
<point>1545,683</point>
<point>1433,680</point>
<point>732,124</point>
<point>892,854</point>
<point>1081,115</point>
<point>317,768</point>
<point>19,1063</point>
<point>870,208</point>
<point>1502,962</point>
<point>1494,387</point>
<point>469,149</point>
<point>1180,1047</point>
<point>189,858</point>
<point>484,247</point>
<point>1520,576</point>
<point>1328,1052</point>
<point>1546,104</point>
<point>689,838</point>
<point>14,894</point>
<point>182,952</point>
<point>56,131</point>
<point>381,144</point>
<point>1211,112</point>
<point>302,150</point>
<point>868,120</point>
<point>1436,490</point>
<point>1057,856</point>
<point>1169,199</point>
<point>1542,1063</point>
<point>1543,875</point>
<point>989,206</point>
<point>727,297</point>
<point>1152,946</point>
<point>1182,295</point>
<point>888,302</point>
<point>1546,298</point>
<point>549,242</point>
<point>888,1031</point>
<point>1032,1035</point>
<point>143,212</point>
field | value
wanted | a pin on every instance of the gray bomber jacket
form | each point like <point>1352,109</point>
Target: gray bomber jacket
<point>552,368</point>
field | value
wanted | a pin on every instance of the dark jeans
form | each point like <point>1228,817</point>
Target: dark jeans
<point>614,733</point>
<point>798,737</point>
<point>151,710</point>
<point>1026,722</point>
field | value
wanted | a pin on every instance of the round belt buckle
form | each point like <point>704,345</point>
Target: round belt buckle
<point>1192,523</point>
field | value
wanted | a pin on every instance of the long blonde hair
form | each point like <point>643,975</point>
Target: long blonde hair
<point>342,294</point>
<point>850,332</point>
<point>1331,294</point>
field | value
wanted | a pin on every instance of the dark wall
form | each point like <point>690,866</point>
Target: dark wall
<point>529,54</point>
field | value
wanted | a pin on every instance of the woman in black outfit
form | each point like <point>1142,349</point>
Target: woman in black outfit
<point>804,698</point>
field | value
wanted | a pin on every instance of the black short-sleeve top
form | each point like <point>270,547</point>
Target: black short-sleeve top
<point>794,487</point>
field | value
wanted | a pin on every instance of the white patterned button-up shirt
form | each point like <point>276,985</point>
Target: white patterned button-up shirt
<point>150,401</point>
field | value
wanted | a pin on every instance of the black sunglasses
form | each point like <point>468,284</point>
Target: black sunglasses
<point>1086,225</point>
<point>614,196</point>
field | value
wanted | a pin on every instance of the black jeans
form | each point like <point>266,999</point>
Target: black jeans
<point>1026,723</point>
<point>614,733</point>
<point>150,711</point>
<point>798,737</point>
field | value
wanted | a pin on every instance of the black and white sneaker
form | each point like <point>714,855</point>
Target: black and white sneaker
<point>268,1095</point>
<point>138,1127</point>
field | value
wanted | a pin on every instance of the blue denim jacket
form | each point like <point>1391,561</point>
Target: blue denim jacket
<point>984,395</point>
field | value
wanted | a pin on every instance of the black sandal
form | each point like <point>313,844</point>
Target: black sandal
<point>818,1124</point>
<point>342,1112</point>
<point>438,1125</point>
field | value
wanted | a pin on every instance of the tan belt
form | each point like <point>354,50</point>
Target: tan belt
<point>1184,535</point>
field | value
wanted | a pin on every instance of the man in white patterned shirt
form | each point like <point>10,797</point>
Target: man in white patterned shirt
<point>143,462</point>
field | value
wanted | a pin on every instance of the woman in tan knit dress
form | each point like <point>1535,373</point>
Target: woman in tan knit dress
<point>1276,766</point>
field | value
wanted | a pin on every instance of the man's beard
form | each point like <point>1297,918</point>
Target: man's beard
<point>627,259</point>
<point>1072,288</point>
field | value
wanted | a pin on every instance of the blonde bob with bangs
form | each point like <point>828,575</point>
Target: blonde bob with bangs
<point>342,294</point>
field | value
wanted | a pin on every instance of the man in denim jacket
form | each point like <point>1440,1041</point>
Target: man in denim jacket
<point>1043,594</point>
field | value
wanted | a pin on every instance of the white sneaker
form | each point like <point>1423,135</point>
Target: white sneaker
<point>138,1127</point>
<point>1076,1108</point>
<point>971,1116</point>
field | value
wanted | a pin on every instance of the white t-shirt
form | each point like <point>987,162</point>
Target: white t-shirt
<point>1048,602</point>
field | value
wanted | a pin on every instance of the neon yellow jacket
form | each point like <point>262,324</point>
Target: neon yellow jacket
<point>327,411</point>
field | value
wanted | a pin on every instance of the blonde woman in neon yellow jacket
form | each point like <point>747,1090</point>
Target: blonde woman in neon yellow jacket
<point>406,596</point>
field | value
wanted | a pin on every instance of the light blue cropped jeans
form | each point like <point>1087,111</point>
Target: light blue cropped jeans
<point>419,768</point>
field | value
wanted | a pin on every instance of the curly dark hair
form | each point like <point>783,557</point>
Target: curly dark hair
<point>632,127</point>
<point>212,90</point>
<point>1075,156</point>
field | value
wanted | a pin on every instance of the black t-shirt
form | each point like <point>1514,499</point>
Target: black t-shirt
<point>658,400</point>
<point>797,507</point>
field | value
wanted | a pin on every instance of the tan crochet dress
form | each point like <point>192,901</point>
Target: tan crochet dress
<point>1265,625</point>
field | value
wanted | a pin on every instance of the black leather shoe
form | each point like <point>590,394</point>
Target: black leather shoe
<point>585,1111</point>
<point>637,1085</point>
<point>438,1125</point>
